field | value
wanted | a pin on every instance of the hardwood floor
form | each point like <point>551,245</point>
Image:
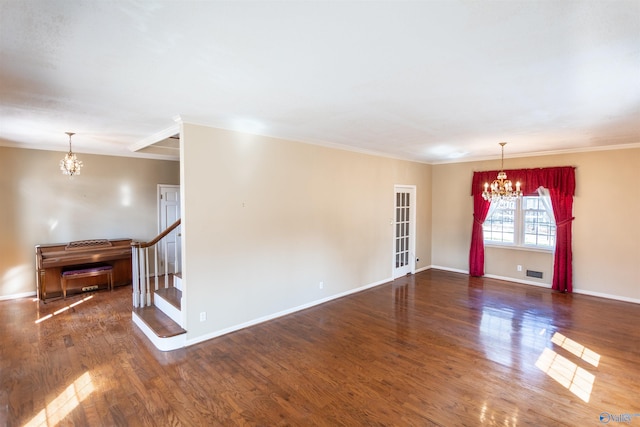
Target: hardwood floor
<point>437,348</point>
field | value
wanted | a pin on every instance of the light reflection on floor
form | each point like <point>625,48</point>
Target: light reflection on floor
<point>501,329</point>
<point>577,349</point>
<point>504,330</point>
<point>496,329</point>
<point>572,377</point>
<point>488,417</point>
<point>64,403</point>
<point>63,309</point>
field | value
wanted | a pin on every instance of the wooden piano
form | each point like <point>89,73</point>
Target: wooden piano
<point>53,259</point>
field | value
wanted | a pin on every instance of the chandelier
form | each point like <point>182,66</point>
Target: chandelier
<point>501,188</point>
<point>70,165</point>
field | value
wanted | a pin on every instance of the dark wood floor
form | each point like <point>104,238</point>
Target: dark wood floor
<point>437,348</point>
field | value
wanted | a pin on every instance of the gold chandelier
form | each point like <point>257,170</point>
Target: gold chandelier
<point>501,188</point>
<point>70,165</point>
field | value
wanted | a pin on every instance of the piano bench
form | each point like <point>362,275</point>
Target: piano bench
<point>101,270</point>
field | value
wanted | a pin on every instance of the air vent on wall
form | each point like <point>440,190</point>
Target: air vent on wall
<point>536,274</point>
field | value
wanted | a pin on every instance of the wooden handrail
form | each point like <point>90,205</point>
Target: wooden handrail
<point>158,237</point>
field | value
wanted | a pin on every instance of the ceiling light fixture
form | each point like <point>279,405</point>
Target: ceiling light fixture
<point>70,165</point>
<point>501,188</point>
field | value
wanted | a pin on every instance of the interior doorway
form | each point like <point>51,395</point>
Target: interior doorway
<point>168,213</point>
<point>404,235</point>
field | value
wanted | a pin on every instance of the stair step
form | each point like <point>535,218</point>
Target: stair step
<point>158,322</point>
<point>172,295</point>
<point>177,280</point>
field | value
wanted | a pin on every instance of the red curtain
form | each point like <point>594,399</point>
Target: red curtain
<point>476,254</point>
<point>562,262</point>
<point>561,183</point>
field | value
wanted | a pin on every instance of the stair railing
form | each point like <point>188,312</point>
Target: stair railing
<point>143,270</point>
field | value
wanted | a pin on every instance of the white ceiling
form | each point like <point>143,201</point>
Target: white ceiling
<point>432,81</point>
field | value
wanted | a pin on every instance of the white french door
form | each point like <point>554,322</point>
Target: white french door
<point>404,239</point>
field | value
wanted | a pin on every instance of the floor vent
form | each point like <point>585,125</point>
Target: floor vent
<point>536,274</point>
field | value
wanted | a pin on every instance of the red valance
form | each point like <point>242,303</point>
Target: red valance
<point>562,179</point>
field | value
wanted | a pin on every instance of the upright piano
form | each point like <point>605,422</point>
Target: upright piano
<point>53,259</point>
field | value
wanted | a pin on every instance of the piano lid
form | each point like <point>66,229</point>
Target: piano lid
<point>87,244</point>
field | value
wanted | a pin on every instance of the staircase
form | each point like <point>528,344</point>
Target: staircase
<point>157,294</point>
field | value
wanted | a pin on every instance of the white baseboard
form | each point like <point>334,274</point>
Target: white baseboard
<point>524,282</point>
<point>575,291</point>
<point>607,296</point>
<point>283,313</point>
<point>455,270</point>
<point>17,296</point>
<point>492,276</point>
<point>545,285</point>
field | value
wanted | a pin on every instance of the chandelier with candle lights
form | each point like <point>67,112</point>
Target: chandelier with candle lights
<point>70,165</point>
<point>501,188</point>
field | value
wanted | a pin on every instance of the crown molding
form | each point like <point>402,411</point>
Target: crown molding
<point>544,153</point>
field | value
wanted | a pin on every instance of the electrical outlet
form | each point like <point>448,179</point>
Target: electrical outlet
<point>203,316</point>
<point>519,268</point>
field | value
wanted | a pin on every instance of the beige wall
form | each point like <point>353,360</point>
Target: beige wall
<point>266,220</point>
<point>113,197</point>
<point>606,232</point>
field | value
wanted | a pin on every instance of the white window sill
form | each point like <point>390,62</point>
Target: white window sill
<point>518,248</point>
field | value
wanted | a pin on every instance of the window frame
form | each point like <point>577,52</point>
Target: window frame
<point>519,231</point>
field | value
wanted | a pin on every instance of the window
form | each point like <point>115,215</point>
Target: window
<point>539,229</point>
<point>500,225</point>
<point>524,222</point>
